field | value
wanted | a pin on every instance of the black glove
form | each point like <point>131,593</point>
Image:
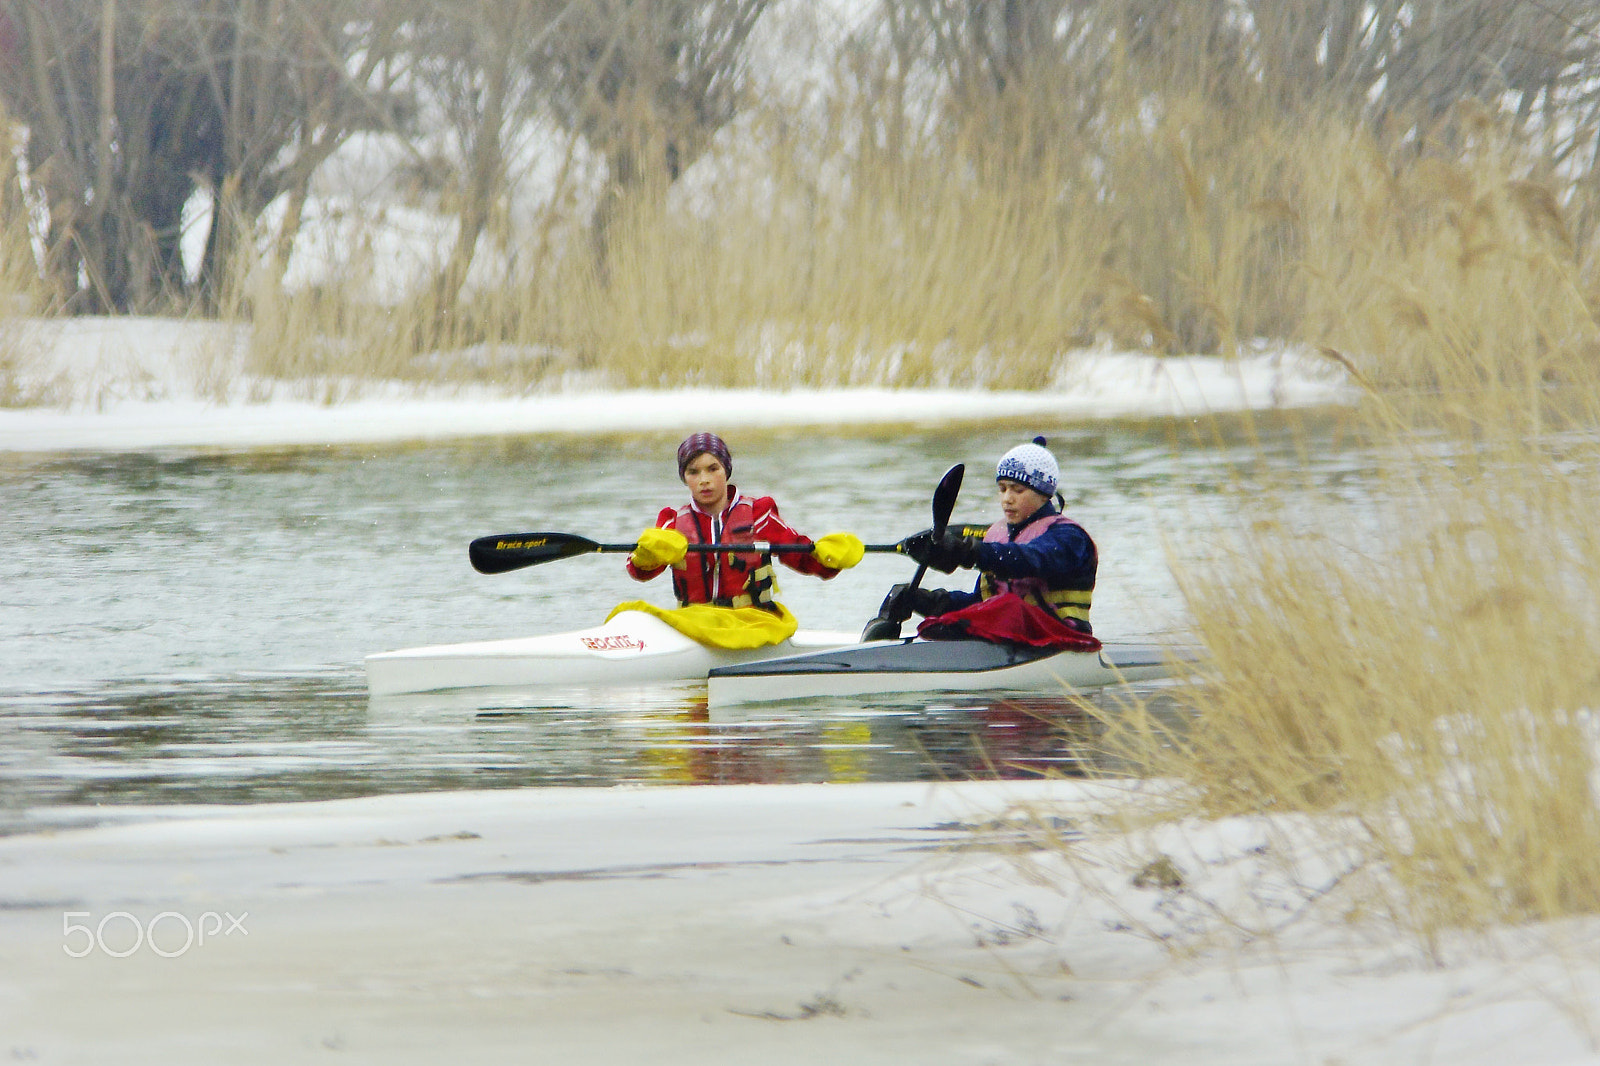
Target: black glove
<point>903,601</point>
<point>929,602</point>
<point>947,552</point>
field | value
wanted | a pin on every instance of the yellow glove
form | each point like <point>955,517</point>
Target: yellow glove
<point>840,551</point>
<point>659,547</point>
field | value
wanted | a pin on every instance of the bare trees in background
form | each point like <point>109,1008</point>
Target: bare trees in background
<point>1403,62</point>
<point>647,85</point>
<point>476,62</point>
<point>131,106</point>
<point>1402,66</point>
<point>1153,111</point>
<point>1394,61</point>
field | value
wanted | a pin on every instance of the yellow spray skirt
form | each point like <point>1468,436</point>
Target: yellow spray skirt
<point>722,627</point>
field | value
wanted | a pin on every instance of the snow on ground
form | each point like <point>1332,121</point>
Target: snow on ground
<point>119,384</point>
<point>779,924</point>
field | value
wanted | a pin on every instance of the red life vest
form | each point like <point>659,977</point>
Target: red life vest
<point>726,580</point>
<point>1069,605</point>
<point>732,579</point>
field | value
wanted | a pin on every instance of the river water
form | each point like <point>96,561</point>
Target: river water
<point>189,626</point>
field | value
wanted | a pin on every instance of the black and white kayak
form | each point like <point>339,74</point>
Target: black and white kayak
<point>913,665</point>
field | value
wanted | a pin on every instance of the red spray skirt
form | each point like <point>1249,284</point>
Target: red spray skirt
<point>1006,618</point>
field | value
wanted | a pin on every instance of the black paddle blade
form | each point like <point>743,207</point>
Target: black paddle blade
<point>513,551</point>
<point>944,497</point>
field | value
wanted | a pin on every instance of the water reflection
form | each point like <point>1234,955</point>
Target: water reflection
<point>215,742</point>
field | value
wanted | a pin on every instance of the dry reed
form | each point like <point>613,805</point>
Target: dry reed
<point>806,254</point>
<point>1424,664</point>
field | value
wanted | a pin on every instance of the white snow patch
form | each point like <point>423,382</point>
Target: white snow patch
<point>135,383</point>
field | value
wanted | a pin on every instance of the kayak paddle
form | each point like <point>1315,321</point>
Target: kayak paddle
<point>513,551</point>
<point>944,501</point>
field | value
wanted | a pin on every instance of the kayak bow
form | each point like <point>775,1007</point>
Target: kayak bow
<point>632,648</point>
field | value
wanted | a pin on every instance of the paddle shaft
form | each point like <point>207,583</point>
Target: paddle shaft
<point>760,547</point>
<point>513,551</point>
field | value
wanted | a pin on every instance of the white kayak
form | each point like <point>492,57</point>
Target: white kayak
<point>912,665</point>
<point>632,648</point>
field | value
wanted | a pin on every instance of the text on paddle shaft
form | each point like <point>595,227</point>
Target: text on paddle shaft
<point>613,644</point>
<point>168,934</point>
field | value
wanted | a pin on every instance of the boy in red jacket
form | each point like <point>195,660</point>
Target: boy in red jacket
<point>718,514</point>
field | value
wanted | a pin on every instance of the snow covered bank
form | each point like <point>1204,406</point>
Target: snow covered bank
<point>786,924</point>
<point>128,384</point>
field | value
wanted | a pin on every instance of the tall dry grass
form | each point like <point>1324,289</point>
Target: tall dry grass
<point>974,252</point>
<point>1425,664</point>
<point>1430,672</point>
<point>966,259</point>
<point>975,245</point>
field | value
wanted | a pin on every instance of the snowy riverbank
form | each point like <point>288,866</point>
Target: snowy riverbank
<point>783,924</point>
<point>126,384</point>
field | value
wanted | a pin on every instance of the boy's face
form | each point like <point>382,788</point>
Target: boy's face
<point>707,481</point>
<point>1018,501</point>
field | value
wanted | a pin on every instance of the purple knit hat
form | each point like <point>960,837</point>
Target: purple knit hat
<point>704,444</point>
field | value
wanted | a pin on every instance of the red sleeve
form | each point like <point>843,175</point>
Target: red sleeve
<point>774,530</point>
<point>664,520</point>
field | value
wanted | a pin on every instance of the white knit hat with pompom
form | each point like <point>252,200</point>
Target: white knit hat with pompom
<point>1031,465</point>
